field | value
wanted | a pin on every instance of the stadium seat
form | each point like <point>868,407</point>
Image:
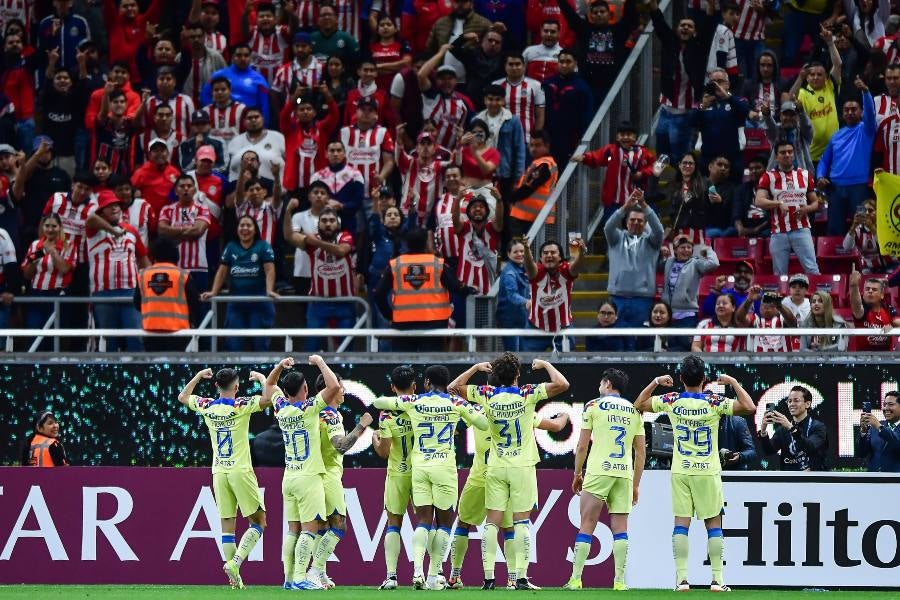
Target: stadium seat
<point>832,257</point>
<point>772,283</point>
<point>835,285</point>
<point>845,313</point>
<point>732,250</point>
<point>756,143</point>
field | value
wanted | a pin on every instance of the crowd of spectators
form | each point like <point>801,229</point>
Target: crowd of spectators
<point>337,128</point>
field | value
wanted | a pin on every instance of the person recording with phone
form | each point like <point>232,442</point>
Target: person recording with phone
<point>799,441</point>
<point>880,440</point>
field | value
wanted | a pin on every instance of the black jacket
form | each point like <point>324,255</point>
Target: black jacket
<point>734,434</point>
<point>801,448</point>
<point>696,51</point>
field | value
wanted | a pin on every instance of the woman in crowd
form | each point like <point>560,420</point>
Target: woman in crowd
<point>864,238</point>
<point>688,201</point>
<point>660,316</point>
<point>514,298</point>
<point>821,316</point>
<point>43,447</point>
<point>249,263</point>
<point>48,267</point>
<point>607,317</point>
<point>724,319</point>
<point>390,53</point>
<point>102,173</point>
<point>681,284</point>
<point>339,82</point>
<point>478,160</point>
<point>385,235</point>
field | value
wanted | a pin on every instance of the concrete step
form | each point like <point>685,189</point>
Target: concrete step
<point>592,263</point>
<point>588,301</point>
<point>591,282</point>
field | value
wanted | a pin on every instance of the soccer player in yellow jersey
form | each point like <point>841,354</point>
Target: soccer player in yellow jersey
<point>394,441</point>
<point>302,487</point>
<point>234,482</point>
<point>511,478</point>
<point>696,472</point>
<point>433,417</point>
<point>615,427</point>
<point>335,442</point>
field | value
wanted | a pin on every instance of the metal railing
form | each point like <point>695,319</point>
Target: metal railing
<point>577,198</point>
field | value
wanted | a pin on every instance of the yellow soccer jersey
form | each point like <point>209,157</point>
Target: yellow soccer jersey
<point>433,418</point>
<point>614,423</point>
<point>228,420</point>
<point>483,450</point>
<point>299,423</point>
<point>331,425</point>
<point>397,426</point>
<point>510,411</point>
<point>695,425</point>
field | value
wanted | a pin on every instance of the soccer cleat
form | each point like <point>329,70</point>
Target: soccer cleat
<point>327,582</point>
<point>233,572</point>
<point>510,584</point>
<point>319,577</point>
<point>388,584</point>
<point>488,584</point>
<point>684,586</point>
<point>418,582</point>
<point>288,585</point>
<point>573,584</point>
<point>522,583</point>
<point>308,584</point>
<point>619,586</point>
<point>454,583</point>
<point>715,586</point>
<point>435,583</point>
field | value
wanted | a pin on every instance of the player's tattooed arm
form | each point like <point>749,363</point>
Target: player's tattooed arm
<point>342,443</point>
<point>188,389</point>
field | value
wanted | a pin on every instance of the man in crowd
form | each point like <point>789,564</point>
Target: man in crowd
<point>542,60</point>
<point>871,311</point>
<point>880,440</point>
<point>719,119</point>
<point>247,86</point>
<point>800,441</point>
<point>569,103</point>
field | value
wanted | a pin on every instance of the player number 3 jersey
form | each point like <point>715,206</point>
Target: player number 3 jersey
<point>228,420</point>
<point>614,423</point>
<point>299,423</point>
<point>695,426</point>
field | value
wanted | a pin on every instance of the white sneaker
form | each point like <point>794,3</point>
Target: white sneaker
<point>418,582</point>
<point>684,586</point>
<point>388,584</point>
<point>436,583</point>
<point>319,577</point>
<point>715,586</point>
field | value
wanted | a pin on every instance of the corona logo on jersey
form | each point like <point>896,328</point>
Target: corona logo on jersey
<point>887,191</point>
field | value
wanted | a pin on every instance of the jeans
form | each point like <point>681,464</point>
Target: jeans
<point>843,201</point>
<point>632,313</point>
<point>25,133</point>
<point>748,52</point>
<point>540,344</point>
<point>800,241</point>
<point>682,343</point>
<point>673,135</point>
<point>249,315</point>
<point>716,232</point>
<point>797,24</point>
<point>82,148</point>
<point>117,316</point>
<point>4,316</point>
<point>36,315</point>
<point>323,315</point>
<point>512,343</point>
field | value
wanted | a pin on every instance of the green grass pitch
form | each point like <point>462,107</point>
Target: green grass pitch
<point>187,592</point>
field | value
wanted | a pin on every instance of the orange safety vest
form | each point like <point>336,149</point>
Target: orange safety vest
<point>528,209</point>
<point>40,451</point>
<point>164,305</point>
<point>418,293</point>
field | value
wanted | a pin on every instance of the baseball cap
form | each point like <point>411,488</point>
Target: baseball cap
<point>301,37</point>
<point>85,44</point>
<point>107,198</point>
<point>41,138</point>
<point>799,278</point>
<point>156,141</point>
<point>476,198</point>
<point>199,116</point>
<point>450,69</point>
<point>7,149</point>
<point>788,106</point>
<point>747,264</point>
<point>425,135</point>
<point>367,102</point>
<point>206,153</point>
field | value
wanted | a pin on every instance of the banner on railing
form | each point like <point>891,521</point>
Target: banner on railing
<point>160,526</point>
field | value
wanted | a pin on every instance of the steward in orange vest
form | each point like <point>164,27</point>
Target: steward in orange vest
<point>44,449</point>
<point>535,186</point>
<point>165,296</point>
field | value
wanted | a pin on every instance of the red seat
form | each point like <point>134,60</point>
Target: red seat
<point>845,313</point>
<point>772,283</point>
<point>732,250</point>
<point>756,143</point>
<point>835,285</point>
<point>832,257</point>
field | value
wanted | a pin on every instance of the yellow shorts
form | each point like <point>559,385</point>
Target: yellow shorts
<point>511,488</point>
<point>435,487</point>
<point>615,491</point>
<point>397,493</point>
<point>472,509</point>
<point>237,489</point>
<point>333,483</point>
<point>304,498</point>
<point>699,495</point>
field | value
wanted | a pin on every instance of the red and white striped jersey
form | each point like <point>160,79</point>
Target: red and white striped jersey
<point>216,41</point>
<point>541,62</point>
<point>792,189</point>
<point>268,51</point>
<point>447,112</point>
<point>332,277</point>
<point>751,24</point>
<point>307,151</point>
<point>265,216</point>
<point>137,214</point>
<point>767,343</point>
<point>46,275</point>
<point>767,94</point>
<point>888,46</point>
<point>870,258</point>
<point>7,252</point>
<point>193,251</point>
<point>22,10</point>
<point>551,307</point>
<point>722,43</point>
<point>142,143</point>
<point>113,260</point>
<point>337,180</point>
<point>885,106</point>
<point>718,342</point>
<point>182,107</point>
<point>348,13</point>
<point>307,13</point>
<point>293,73</point>
<point>472,269</point>
<point>73,219</point>
<point>446,240</point>
<point>684,94</point>
<point>522,99</point>
<point>887,143</point>
<point>421,185</point>
<point>364,150</point>
<point>227,122</point>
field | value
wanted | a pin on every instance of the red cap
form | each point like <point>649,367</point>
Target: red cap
<point>206,153</point>
<point>107,198</point>
<point>748,264</point>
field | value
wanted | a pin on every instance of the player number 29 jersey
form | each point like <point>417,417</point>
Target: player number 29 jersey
<point>397,426</point>
<point>695,426</point>
<point>228,420</point>
<point>510,411</point>
<point>614,423</point>
<point>299,423</point>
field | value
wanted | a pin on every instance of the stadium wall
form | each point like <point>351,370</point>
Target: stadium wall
<point>160,526</point>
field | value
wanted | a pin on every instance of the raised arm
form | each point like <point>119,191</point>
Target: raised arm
<point>740,317</point>
<point>458,385</point>
<point>381,445</point>
<point>345,442</point>
<point>332,385</point>
<point>744,404</point>
<point>558,383</point>
<point>555,423</point>
<point>530,267</point>
<point>265,400</point>
<point>639,445</point>
<point>188,389</point>
<point>275,373</point>
<point>430,65</point>
<point>643,403</point>
<point>856,303</point>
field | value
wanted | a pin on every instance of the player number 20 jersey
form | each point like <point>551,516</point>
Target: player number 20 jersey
<point>299,423</point>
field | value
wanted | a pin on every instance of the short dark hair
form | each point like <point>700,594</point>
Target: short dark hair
<point>319,184</point>
<point>550,243</point>
<point>513,54</point>
<point>542,135</point>
<point>506,368</point>
<point>292,382</point>
<point>807,395</point>
<point>567,52</point>
<point>551,22</point>
<point>219,79</point>
<point>438,375</point>
<point>417,240</point>
<point>163,250</point>
<point>84,177</point>
<point>402,377</point>
<point>320,381</point>
<point>265,7</point>
<point>120,64</point>
<point>115,95</point>
<point>783,142</point>
<point>692,371</point>
<point>115,180</point>
<point>495,90</point>
<point>894,394</point>
<point>240,46</point>
<point>616,378</point>
<point>225,378</point>
<point>610,302</point>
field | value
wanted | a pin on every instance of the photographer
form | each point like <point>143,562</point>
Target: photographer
<point>880,440</point>
<point>719,119</point>
<point>768,318</point>
<point>800,441</point>
<point>736,449</point>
